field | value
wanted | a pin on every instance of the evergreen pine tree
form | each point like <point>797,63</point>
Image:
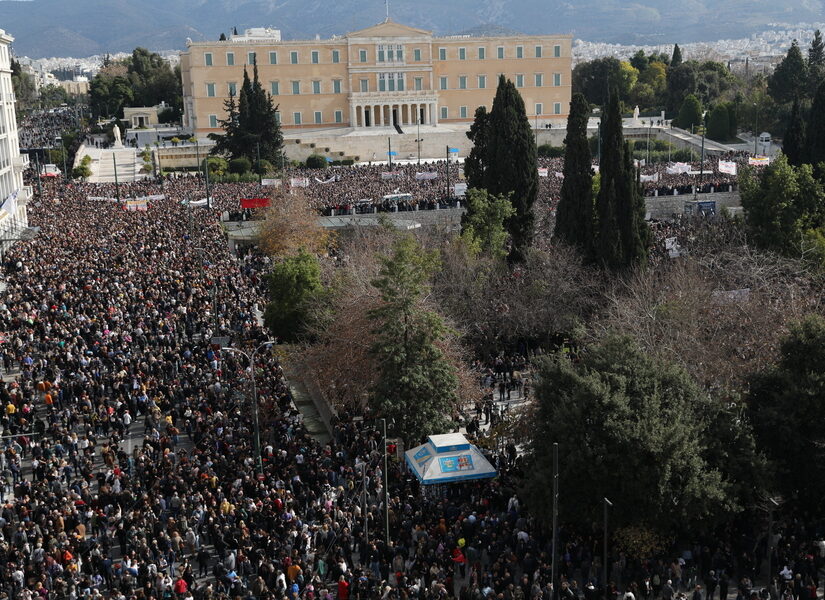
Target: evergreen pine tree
<point>511,163</point>
<point>793,144</point>
<point>789,79</point>
<point>676,59</point>
<point>631,215</point>
<point>475,163</point>
<point>574,216</point>
<point>228,142</point>
<point>815,141</point>
<point>816,63</point>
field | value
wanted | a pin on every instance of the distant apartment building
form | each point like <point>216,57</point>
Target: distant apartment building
<point>382,76</point>
<point>13,194</point>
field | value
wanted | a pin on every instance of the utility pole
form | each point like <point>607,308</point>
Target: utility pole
<point>607,504</point>
<point>386,490</point>
<point>554,548</point>
<point>389,152</point>
<point>447,197</point>
<point>37,168</point>
<point>258,151</point>
<point>418,140</point>
<point>206,173</point>
<point>756,130</point>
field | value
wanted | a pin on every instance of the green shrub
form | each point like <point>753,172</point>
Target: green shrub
<point>239,165</point>
<point>347,162</point>
<point>316,161</point>
<point>549,151</point>
<point>262,167</point>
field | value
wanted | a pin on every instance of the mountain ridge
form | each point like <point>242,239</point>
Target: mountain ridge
<point>44,28</point>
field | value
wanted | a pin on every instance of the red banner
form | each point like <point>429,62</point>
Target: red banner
<point>254,202</point>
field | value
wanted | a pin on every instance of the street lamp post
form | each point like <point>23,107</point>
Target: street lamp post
<point>756,129</point>
<point>256,421</point>
<point>386,489</point>
<point>63,153</point>
<point>607,504</point>
<point>419,140</point>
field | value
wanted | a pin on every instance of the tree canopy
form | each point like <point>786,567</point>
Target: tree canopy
<point>294,284</point>
<point>790,78</point>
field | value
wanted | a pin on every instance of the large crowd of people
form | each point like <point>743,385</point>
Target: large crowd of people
<point>40,128</point>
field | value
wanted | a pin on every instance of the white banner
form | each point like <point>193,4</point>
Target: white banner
<point>759,161</point>
<point>100,199</point>
<point>10,205</point>
<point>544,171</point>
<point>727,166</point>
<point>330,180</point>
<point>299,181</point>
<point>559,175</point>
<point>155,197</point>
<point>426,175</point>
<point>272,182</point>
<point>459,190</point>
<point>677,168</point>
<point>646,178</point>
<point>390,175</point>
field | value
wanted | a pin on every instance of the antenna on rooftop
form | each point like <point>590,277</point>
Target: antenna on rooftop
<point>387,6</point>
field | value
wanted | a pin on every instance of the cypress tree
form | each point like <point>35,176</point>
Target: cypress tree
<point>475,163</point>
<point>574,216</point>
<point>622,234</point>
<point>793,144</point>
<point>815,140</point>
<point>511,165</point>
<point>676,59</point>
<point>608,245</point>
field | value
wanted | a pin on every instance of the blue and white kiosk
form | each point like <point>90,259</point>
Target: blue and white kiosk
<point>448,458</point>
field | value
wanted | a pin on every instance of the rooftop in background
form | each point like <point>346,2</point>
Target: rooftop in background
<point>258,33</point>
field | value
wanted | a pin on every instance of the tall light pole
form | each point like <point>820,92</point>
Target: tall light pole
<point>607,504</point>
<point>63,153</point>
<point>251,360</point>
<point>386,489</point>
<point>755,129</point>
<point>554,548</point>
<point>419,140</point>
<point>772,504</point>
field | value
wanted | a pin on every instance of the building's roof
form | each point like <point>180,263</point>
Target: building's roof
<point>389,28</point>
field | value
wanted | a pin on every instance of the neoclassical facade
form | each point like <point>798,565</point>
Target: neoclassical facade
<point>389,75</point>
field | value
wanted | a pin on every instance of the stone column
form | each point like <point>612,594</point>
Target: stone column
<point>353,116</point>
<point>361,113</point>
<point>379,115</point>
<point>434,109</point>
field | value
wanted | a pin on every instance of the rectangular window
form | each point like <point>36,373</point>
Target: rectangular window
<point>314,57</point>
<point>362,56</point>
<point>365,85</point>
<point>500,51</point>
<point>539,109</point>
<point>538,51</point>
<point>462,82</point>
<point>442,83</point>
<point>442,54</point>
<point>230,59</point>
<point>210,90</point>
<point>296,118</point>
<point>339,116</point>
<point>207,59</point>
<point>462,54</point>
<point>399,53</point>
<point>539,80</point>
<point>213,121</point>
<point>482,82</point>
<point>251,58</point>
<point>293,58</point>
<point>390,54</point>
<point>275,88</point>
<point>232,88</point>
<point>316,87</point>
<point>400,77</point>
<point>557,79</point>
<point>273,58</point>
<point>382,82</point>
<point>318,117</point>
<point>462,112</point>
<point>519,51</point>
<point>278,116</point>
<point>556,51</point>
<point>336,86</point>
<point>296,87</point>
<point>381,57</point>
<point>482,53</point>
<point>444,112</point>
<point>336,57</point>
<point>519,81</point>
<point>391,83</point>
<point>557,108</point>
<point>417,55</point>
<point>419,83</point>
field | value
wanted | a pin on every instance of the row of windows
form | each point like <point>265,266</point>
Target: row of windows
<point>297,118</point>
<point>387,82</point>
<point>338,116</point>
<point>481,52</point>
<point>481,81</point>
<point>385,53</point>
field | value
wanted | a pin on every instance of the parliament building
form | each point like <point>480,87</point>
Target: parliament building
<point>388,75</point>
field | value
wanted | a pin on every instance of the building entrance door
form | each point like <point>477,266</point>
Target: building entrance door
<point>395,116</point>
